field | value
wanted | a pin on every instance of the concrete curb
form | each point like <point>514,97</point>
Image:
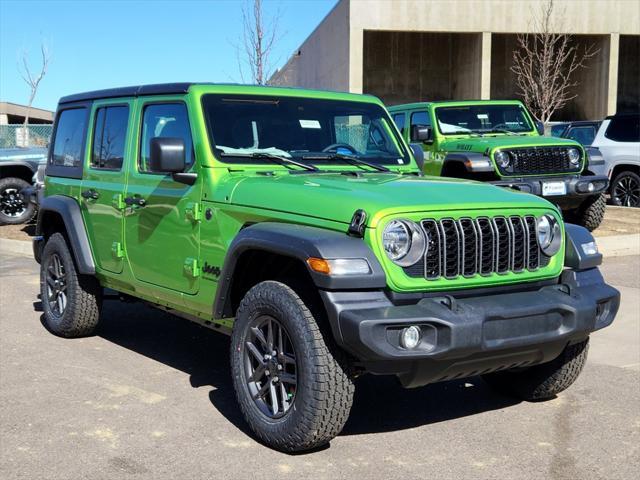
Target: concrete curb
<point>17,247</point>
<point>612,246</point>
<point>619,245</point>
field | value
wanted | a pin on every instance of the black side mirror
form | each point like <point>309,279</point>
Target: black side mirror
<point>421,133</point>
<point>418,154</point>
<point>540,127</point>
<point>167,155</point>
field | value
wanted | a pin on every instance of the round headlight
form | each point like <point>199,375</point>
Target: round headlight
<point>574,156</point>
<point>403,242</point>
<point>503,159</point>
<point>549,235</point>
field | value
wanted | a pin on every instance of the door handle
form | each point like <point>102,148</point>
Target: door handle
<point>135,200</point>
<point>90,194</point>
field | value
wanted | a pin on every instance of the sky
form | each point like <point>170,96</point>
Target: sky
<point>103,44</point>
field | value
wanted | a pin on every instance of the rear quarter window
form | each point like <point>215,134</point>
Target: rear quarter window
<point>624,129</point>
<point>67,149</point>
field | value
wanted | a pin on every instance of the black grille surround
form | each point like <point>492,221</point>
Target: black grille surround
<point>467,247</point>
<point>540,160</point>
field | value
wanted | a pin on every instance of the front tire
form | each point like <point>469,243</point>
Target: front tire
<point>14,208</point>
<point>71,302</point>
<point>293,389</point>
<point>543,381</point>
<point>591,213</point>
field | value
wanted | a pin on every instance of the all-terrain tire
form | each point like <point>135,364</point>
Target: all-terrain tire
<point>590,213</point>
<point>543,381</point>
<point>625,189</point>
<point>14,208</point>
<point>83,298</point>
<point>324,391</point>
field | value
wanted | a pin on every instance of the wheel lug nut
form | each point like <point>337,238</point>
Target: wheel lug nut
<point>279,367</point>
<point>267,372</point>
<point>267,357</point>
<point>275,379</point>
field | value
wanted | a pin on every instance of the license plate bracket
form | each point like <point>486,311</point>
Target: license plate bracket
<point>553,188</point>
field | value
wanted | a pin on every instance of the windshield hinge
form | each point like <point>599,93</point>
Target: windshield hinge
<point>357,225</point>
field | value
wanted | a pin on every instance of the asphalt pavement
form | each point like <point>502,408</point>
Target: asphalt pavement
<point>150,397</point>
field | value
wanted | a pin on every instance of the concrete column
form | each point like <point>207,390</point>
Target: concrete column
<point>356,59</point>
<point>4,119</point>
<point>614,56</point>
<point>485,65</point>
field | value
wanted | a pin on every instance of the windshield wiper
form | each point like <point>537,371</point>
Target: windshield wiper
<point>274,158</point>
<point>504,130</point>
<point>350,159</point>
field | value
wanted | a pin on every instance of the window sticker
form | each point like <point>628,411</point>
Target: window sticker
<point>483,116</point>
<point>310,124</point>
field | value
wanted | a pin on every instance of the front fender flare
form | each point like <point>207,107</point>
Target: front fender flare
<point>472,161</point>
<point>299,242</point>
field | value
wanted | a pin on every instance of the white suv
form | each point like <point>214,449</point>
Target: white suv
<point>618,140</point>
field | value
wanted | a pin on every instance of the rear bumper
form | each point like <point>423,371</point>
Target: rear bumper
<point>468,336</point>
<point>577,187</point>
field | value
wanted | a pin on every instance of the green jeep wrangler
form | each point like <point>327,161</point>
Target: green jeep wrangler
<point>498,142</point>
<point>298,222</point>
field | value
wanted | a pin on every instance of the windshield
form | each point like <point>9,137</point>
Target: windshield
<point>483,119</point>
<point>247,129</point>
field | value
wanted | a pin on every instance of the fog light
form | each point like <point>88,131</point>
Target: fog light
<point>410,337</point>
<point>591,187</point>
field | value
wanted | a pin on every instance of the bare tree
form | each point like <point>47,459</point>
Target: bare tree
<point>31,79</point>
<point>544,63</point>
<point>258,40</point>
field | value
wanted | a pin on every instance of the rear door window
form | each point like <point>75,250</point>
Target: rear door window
<point>109,137</point>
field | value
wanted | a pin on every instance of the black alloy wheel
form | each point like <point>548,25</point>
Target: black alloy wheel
<point>55,277</point>
<point>625,190</point>
<point>270,366</point>
<point>12,203</point>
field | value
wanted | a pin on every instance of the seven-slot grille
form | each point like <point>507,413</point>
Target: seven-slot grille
<point>480,246</point>
<point>538,160</point>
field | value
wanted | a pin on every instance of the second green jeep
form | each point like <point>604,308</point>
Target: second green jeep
<point>497,141</point>
<point>299,223</point>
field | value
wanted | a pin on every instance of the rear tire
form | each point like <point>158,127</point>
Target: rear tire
<point>625,190</point>
<point>590,213</point>
<point>543,381</point>
<point>315,410</point>
<point>14,208</point>
<point>71,302</point>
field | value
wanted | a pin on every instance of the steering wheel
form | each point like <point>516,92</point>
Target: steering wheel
<point>335,146</point>
<point>503,126</point>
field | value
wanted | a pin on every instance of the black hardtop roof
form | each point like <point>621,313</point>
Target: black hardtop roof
<point>134,91</point>
<point>163,89</point>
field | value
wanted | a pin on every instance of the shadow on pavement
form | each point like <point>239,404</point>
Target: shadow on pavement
<point>380,403</point>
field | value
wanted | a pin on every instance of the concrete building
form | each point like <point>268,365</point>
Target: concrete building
<point>413,50</point>
<point>12,113</point>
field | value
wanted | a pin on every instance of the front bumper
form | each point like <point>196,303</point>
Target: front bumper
<point>576,186</point>
<point>472,335</point>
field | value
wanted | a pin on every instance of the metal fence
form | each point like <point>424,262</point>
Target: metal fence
<point>12,136</point>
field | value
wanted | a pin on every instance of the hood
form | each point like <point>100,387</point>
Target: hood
<point>336,197</point>
<point>482,144</point>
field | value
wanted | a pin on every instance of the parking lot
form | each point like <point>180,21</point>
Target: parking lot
<point>150,397</point>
